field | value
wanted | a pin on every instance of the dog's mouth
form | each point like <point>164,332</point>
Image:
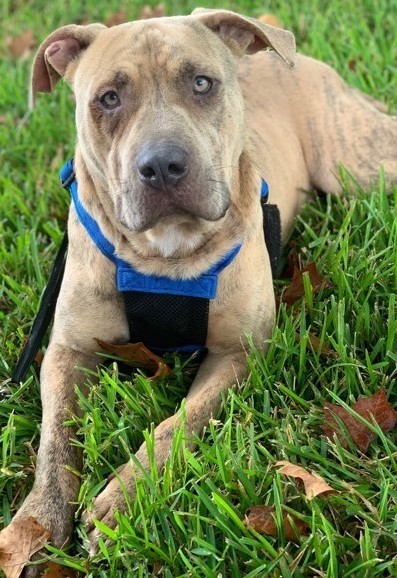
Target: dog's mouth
<point>180,235</point>
<point>144,209</point>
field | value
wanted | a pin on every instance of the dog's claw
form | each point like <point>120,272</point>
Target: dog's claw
<point>110,500</point>
<point>93,539</point>
<point>94,534</point>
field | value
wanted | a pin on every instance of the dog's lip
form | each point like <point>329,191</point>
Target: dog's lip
<point>152,222</point>
<point>187,218</point>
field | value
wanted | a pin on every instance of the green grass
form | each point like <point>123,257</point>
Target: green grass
<point>186,521</point>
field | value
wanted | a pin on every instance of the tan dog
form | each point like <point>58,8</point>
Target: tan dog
<point>176,126</point>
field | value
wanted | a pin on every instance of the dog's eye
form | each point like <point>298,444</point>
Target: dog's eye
<point>202,85</point>
<point>110,100</point>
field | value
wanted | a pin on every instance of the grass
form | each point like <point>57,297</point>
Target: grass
<point>186,521</point>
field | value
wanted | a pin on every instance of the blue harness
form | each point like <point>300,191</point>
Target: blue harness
<point>168,315</point>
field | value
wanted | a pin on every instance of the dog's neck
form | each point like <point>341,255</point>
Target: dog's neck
<point>166,250</point>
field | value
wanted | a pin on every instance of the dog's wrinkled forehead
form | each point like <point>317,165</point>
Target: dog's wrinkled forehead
<point>154,50</point>
<point>212,37</point>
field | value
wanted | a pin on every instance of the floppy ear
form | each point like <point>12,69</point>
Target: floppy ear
<point>246,35</point>
<point>56,53</point>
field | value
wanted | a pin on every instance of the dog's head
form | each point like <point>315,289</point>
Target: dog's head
<point>159,111</point>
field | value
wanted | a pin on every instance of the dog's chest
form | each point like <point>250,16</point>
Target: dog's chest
<point>167,315</point>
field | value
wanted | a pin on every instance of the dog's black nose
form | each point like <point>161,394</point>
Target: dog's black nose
<point>162,166</point>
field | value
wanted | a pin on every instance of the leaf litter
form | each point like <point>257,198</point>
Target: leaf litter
<point>314,484</point>
<point>339,421</point>
<point>262,520</point>
<point>296,289</point>
<point>18,542</point>
<point>137,355</point>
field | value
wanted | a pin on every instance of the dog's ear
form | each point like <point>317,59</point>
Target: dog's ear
<point>246,35</point>
<point>57,52</point>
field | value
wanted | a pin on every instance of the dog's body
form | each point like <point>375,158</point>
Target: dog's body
<point>169,160</point>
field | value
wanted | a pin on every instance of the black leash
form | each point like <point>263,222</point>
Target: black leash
<point>44,314</point>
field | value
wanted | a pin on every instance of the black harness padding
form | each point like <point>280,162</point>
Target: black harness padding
<point>272,232</point>
<point>167,322</point>
<point>179,323</point>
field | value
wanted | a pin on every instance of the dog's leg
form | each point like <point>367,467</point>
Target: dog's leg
<point>216,374</point>
<point>52,500</point>
<point>340,125</point>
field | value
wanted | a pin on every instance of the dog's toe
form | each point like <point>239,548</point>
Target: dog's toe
<point>93,533</point>
<point>110,500</point>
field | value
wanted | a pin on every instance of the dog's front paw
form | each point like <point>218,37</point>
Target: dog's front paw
<point>110,500</point>
<point>55,516</point>
<point>39,521</point>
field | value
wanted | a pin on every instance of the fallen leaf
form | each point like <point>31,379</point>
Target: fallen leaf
<point>296,289</point>
<point>261,519</point>
<point>318,346</point>
<point>116,18</point>
<point>136,354</point>
<point>55,570</point>
<point>21,46</point>
<point>148,12</point>
<point>375,408</point>
<point>18,542</point>
<point>352,64</point>
<point>293,260</point>
<point>39,357</point>
<point>313,483</point>
<point>269,19</point>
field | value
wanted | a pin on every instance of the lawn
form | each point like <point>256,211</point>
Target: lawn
<point>187,521</point>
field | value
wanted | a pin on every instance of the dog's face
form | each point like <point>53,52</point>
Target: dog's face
<point>152,113</point>
<point>159,118</point>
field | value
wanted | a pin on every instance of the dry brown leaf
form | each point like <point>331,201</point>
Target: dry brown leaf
<point>293,260</point>
<point>55,570</point>
<point>136,354</point>
<point>314,341</point>
<point>371,408</point>
<point>18,542</point>
<point>116,18</point>
<point>270,19</point>
<point>39,357</point>
<point>296,289</point>
<point>323,349</point>
<point>313,483</point>
<point>352,64</point>
<point>21,46</point>
<point>148,12</point>
<point>261,519</point>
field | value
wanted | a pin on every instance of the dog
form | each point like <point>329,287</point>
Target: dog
<point>178,120</point>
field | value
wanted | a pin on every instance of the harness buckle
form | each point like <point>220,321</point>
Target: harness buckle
<point>67,174</point>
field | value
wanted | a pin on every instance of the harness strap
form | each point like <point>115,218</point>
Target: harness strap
<point>167,314</point>
<point>128,278</point>
<point>272,233</point>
